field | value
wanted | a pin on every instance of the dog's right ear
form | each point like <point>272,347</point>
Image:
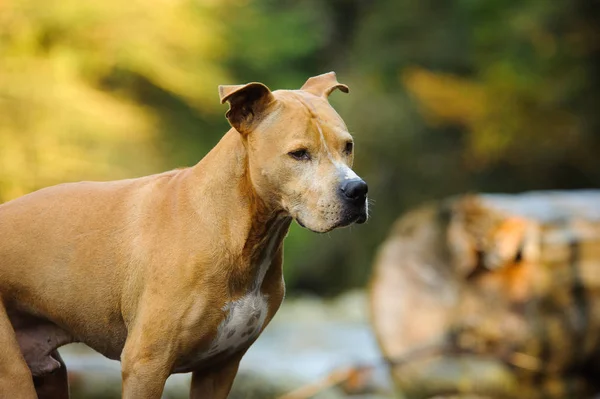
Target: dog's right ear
<point>246,104</point>
<point>323,85</point>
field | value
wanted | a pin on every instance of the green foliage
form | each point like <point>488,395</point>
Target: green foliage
<point>58,123</point>
<point>446,97</point>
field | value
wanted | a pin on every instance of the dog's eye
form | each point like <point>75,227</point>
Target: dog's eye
<point>349,147</point>
<point>300,155</point>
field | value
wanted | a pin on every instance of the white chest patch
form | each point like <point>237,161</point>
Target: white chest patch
<point>245,316</point>
<point>243,323</point>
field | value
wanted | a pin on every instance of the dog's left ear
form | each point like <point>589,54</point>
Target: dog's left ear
<point>246,104</point>
<point>323,85</point>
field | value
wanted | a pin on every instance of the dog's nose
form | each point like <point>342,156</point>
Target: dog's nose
<point>355,190</point>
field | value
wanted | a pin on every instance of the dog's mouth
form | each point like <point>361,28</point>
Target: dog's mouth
<point>358,218</point>
<point>349,217</point>
<point>358,215</point>
<point>362,218</point>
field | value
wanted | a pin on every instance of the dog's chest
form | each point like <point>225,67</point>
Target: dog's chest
<point>243,323</point>
<point>244,317</point>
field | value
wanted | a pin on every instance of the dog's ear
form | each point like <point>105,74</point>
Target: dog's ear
<point>323,85</point>
<point>246,103</point>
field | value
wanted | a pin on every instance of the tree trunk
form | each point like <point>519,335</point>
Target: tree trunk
<point>492,296</point>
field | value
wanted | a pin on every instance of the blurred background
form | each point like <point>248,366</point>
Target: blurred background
<point>447,97</point>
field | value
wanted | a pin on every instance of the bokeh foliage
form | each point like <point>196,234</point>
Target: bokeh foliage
<point>446,97</point>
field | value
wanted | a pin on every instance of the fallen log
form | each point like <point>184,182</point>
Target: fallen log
<point>492,296</point>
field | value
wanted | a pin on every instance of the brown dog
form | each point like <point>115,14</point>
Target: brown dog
<point>176,272</point>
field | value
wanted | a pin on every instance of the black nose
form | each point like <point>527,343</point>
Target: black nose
<point>355,190</point>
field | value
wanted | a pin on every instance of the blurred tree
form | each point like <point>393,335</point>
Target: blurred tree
<point>59,122</point>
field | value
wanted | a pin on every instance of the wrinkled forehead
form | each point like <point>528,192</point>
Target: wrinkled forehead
<point>305,115</point>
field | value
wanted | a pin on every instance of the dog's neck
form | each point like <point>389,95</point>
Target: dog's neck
<point>252,229</point>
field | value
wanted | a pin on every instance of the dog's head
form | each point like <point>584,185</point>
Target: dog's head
<point>300,152</point>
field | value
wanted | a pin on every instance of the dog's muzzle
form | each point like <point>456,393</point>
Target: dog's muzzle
<point>354,195</point>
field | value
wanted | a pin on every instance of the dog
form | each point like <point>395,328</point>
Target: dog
<point>180,271</point>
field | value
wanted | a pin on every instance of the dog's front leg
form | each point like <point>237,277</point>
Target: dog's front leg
<point>146,363</point>
<point>214,384</point>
